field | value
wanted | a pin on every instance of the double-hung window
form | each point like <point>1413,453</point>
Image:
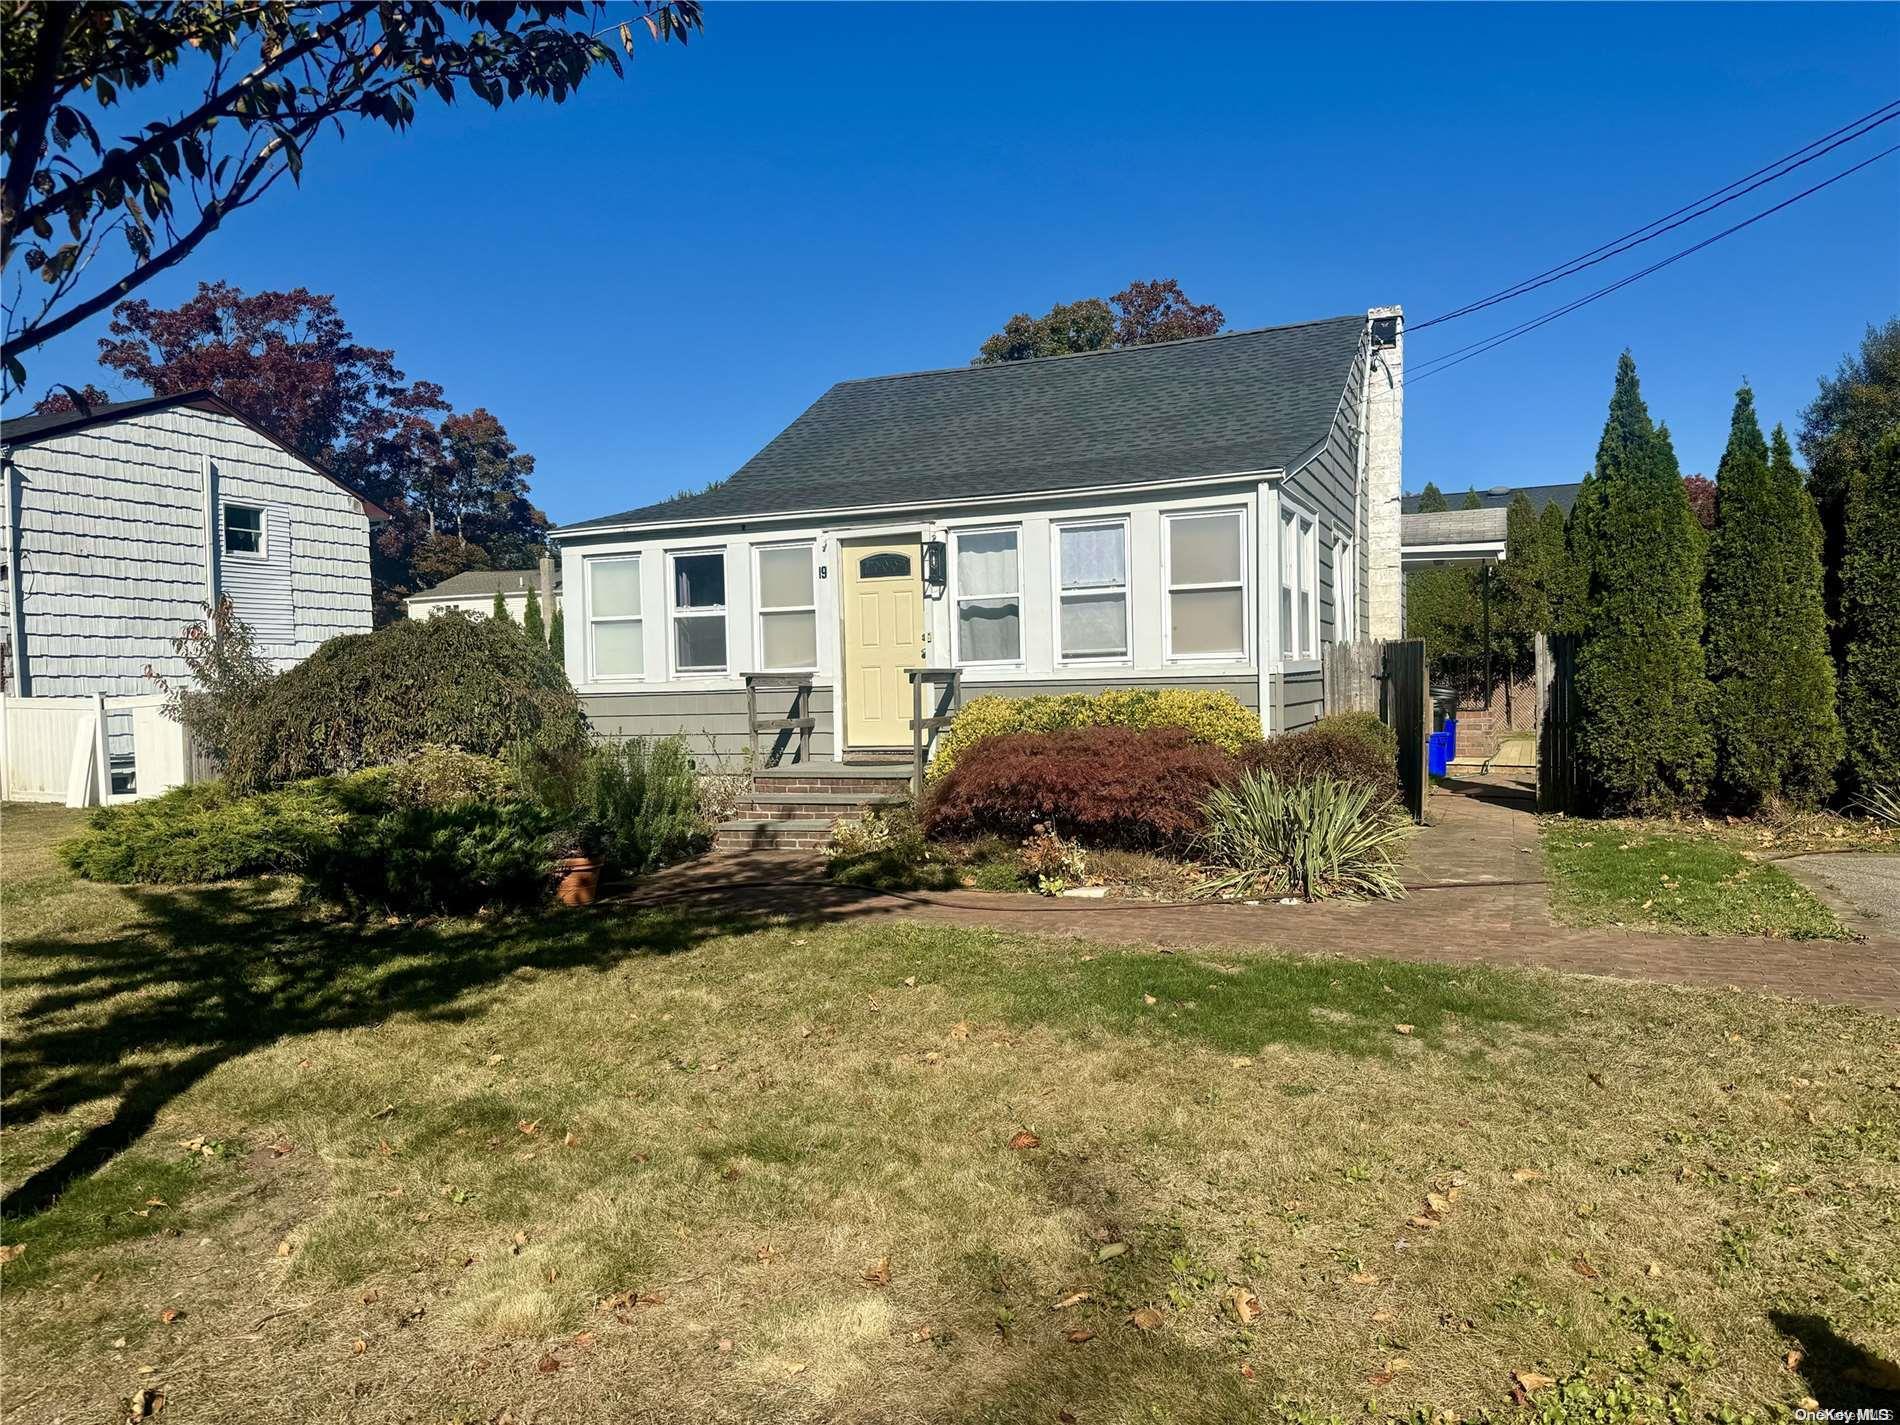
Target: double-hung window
<point>1299,621</point>
<point>788,612</point>
<point>989,593</point>
<point>1092,590</point>
<point>699,611</point>
<point>1207,584</point>
<point>616,646</point>
<point>244,530</point>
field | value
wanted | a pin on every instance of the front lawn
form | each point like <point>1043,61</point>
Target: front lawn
<point>1638,875</point>
<point>608,1166</point>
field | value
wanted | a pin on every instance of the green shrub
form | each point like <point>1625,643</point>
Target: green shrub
<point>1318,838</point>
<point>637,804</point>
<point>1643,738</point>
<point>1776,735</point>
<point>1363,727</point>
<point>1321,751</point>
<point>998,873</point>
<point>440,776</point>
<point>1218,719</point>
<point>1870,620</point>
<point>433,860</point>
<point>886,851</point>
<point>203,833</point>
<point>367,699</point>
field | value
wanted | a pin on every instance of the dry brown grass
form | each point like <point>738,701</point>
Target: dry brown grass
<point>492,1130</point>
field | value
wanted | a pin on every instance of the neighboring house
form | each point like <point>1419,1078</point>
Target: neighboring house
<point>1499,497</point>
<point>121,524</point>
<point>473,591</point>
<point>1205,513</point>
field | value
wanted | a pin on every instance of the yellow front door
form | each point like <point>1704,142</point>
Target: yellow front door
<point>883,599</point>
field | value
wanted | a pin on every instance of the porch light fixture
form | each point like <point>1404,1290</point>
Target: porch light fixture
<point>936,565</point>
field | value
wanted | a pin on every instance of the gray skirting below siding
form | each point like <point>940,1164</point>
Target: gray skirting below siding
<point>712,722</point>
<point>1300,701</point>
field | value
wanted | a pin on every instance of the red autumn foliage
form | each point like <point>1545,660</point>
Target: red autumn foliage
<point>1107,786</point>
<point>1701,492</point>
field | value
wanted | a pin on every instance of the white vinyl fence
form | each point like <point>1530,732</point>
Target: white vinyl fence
<point>89,751</point>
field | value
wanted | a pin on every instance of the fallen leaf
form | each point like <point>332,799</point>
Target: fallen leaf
<point>1654,1269</point>
<point>359,1346</point>
<point>1146,1318</point>
<point>1404,1028</point>
<point>147,1403</point>
<point>1246,1371</point>
<point>1147,999</point>
<point>1078,1336</point>
<point>171,1314</point>
<point>284,1248</point>
<point>1531,1382</point>
<point>910,982</point>
<point>1583,1269</point>
<point>796,1368</point>
<point>1438,1202</point>
<point>1384,1316</point>
<point>880,1274</point>
<point>1244,1305</point>
<point>569,1140</point>
<point>529,1126</point>
<point>1024,1139</point>
<point>1526,1175</point>
<point>547,1365</point>
<point>583,1338</point>
<point>1111,1251</point>
<point>1364,1278</point>
<point>1074,1298</point>
<point>12,1251</point>
<point>1791,1361</point>
<point>725,1345</point>
<point>960,1030</point>
<point>521,1240</point>
<point>1423,1223</point>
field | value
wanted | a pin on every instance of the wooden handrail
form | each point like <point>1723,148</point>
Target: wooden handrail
<point>801,721</point>
<point>950,679</point>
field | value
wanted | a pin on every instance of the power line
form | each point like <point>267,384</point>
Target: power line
<point>1490,343</point>
<point>1636,237</point>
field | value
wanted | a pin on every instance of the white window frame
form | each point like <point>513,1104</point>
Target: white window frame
<point>760,608</point>
<point>1238,514</point>
<point>1345,589</point>
<point>1092,660</point>
<point>262,552</point>
<point>674,613</point>
<point>1306,560</point>
<point>957,599</point>
<point>588,565</point>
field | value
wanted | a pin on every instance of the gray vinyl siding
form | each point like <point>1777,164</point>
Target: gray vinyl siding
<point>1300,700</point>
<point>1328,485</point>
<point>1246,689</point>
<point>712,722</point>
<point>115,558</point>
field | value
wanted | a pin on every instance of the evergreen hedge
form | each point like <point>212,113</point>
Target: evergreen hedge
<point>1870,620</point>
<point>1643,695</point>
<point>1776,735</point>
<point>480,685</point>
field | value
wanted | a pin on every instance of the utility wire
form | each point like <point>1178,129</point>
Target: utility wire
<point>1478,348</point>
<point>1668,222</point>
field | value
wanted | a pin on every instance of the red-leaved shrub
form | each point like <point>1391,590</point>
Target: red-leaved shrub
<point>1106,786</point>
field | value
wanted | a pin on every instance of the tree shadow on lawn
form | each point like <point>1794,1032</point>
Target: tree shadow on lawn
<point>207,975</point>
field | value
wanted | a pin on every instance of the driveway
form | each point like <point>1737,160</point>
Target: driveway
<point>1862,889</point>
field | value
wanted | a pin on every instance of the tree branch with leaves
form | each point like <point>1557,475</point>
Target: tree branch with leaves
<point>274,77</point>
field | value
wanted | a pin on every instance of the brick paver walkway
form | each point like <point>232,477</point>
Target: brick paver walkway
<point>1477,897</point>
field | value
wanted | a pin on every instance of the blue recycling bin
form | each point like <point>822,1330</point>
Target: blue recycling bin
<point>1451,732</point>
<point>1438,752</point>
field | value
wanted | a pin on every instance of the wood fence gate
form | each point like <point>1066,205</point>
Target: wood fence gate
<point>1559,782</point>
<point>1402,707</point>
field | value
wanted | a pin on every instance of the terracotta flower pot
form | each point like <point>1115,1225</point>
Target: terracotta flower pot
<point>580,880</point>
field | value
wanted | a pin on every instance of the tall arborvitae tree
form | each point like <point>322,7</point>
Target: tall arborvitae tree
<point>1642,692</point>
<point>500,612</point>
<point>1560,582</point>
<point>1472,502</point>
<point>1431,500</point>
<point>1776,735</point>
<point>1870,620</point>
<point>1523,587</point>
<point>557,633</point>
<point>531,621</point>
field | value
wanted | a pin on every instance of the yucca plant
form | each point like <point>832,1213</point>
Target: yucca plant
<point>1315,838</point>
<point>1882,804</point>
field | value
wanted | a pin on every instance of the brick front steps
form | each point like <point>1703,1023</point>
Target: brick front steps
<point>791,807</point>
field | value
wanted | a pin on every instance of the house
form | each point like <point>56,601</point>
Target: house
<point>1206,513</point>
<point>120,523</point>
<point>473,591</point>
<point>1499,497</point>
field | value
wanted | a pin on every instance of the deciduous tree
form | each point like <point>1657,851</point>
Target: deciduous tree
<point>1776,735</point>
<point>1139,314</point>
<point>218,102</point>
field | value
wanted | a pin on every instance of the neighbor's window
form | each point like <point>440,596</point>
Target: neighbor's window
<point>243,529</point>
<point>1207,585</point>
<point>989,584</point>
<point>699,612</point>
<point>1092,580</point>
<point>616,646</point>
<point>1299,635</point>
<point>788,612</point>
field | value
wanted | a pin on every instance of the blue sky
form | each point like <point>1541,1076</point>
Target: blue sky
<point>647,283</point>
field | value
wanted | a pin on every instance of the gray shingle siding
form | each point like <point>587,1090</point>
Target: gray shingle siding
<point>113,547</point>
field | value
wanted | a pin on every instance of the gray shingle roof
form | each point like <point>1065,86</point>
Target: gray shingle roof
<point>1499,497</point>
<point>1253,400</point>
<point>486,583</point>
